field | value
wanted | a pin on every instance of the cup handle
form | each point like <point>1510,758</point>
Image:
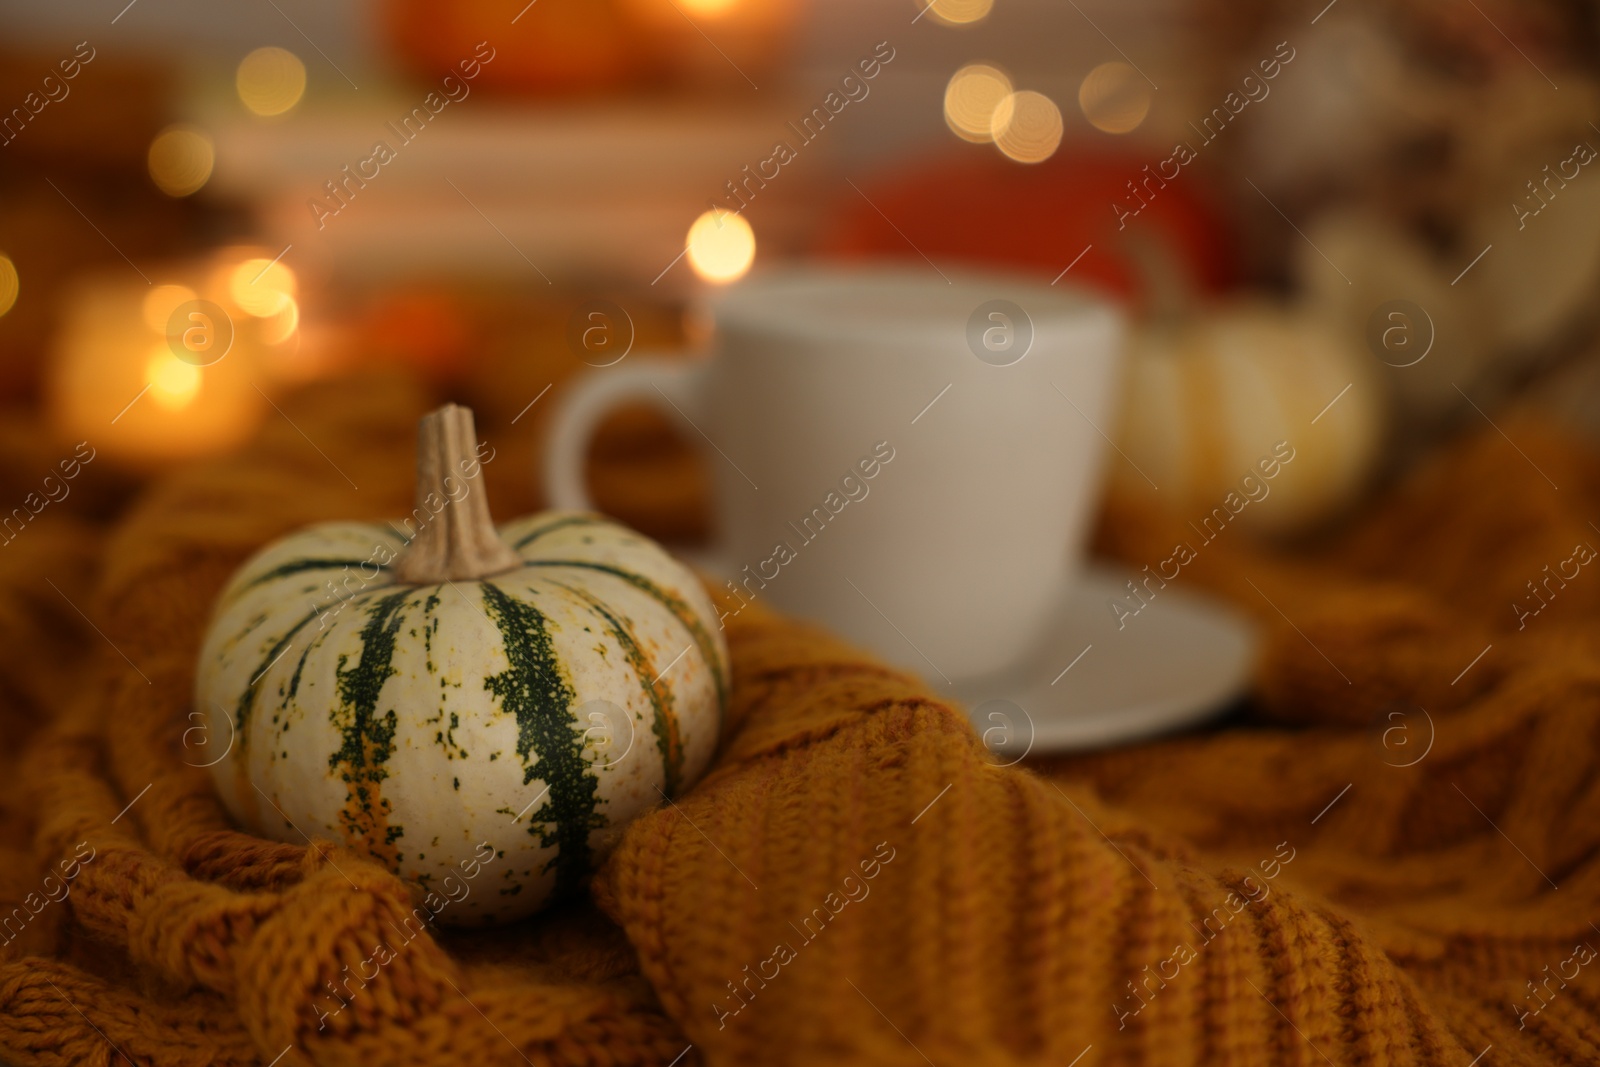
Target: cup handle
<point>673,384</point>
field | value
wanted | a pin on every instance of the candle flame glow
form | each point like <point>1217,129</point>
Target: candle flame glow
<point>161,302</point>
<point>279,327</point>
<point>261,287</point>
<point>173,383</point>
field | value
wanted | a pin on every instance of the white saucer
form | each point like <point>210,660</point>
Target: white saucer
<point>1177,662</point>
<point>1088,684</point>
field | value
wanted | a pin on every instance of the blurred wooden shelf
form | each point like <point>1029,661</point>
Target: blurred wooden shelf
<point>488,187</point>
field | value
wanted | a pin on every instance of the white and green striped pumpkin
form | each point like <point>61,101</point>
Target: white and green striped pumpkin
<point>418,698</point>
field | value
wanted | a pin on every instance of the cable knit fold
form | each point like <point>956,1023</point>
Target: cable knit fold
<point>1388,859</point>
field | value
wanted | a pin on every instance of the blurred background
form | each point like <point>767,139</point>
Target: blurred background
<point>1380,218</point>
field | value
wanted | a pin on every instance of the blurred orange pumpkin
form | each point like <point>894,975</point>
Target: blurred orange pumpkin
<point>982,209</point>
<point>426,329</point>
<point>722,41</point>
<point>547,46</point>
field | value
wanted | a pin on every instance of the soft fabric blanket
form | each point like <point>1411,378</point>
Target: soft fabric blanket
<point>1388,858</point>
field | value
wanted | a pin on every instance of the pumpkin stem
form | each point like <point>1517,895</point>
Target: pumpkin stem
<point>458,540</point>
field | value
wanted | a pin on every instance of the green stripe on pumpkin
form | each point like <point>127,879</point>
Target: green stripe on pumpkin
<point>300,667</point>
<point>247,699</point>
<point>559,524</point>
<point>673,603</point>
<point>534,688</point>
<point>245,708</point>
<point>665,724</point>
<point>368,738</point>
<point>284,570</point>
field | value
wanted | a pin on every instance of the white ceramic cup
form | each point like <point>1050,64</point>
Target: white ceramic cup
<point>909,460</point>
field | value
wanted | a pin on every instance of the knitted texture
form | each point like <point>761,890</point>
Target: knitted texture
<point>1362,871</point>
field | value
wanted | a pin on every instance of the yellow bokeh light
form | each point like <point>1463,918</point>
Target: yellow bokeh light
<point>956,12</point>
<point>712,8</point>
<point>270,81</point>
<point>173,382</point>
<point>261,287</point>
<point>161,302</point>
<point>970,98</point>
<point>1114,97</point>
<point>281,325</point>
<point>180,160</point>
<point>1027,127</point>
<point>10,284</point>
<point>721,246</point>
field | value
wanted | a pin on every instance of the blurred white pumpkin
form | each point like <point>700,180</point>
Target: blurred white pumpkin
<point>1441,341</point>
<point>1541,264</point>
<point>1209,395</point>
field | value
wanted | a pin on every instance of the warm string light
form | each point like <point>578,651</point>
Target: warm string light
<point>180,160</point>
<point>956,12</point>
<point>1027,127</point>
<point>721,246</point>
<point>970,100</point>
<point>270,81</point>
<point>1115,98</point>
<point>981,106</point>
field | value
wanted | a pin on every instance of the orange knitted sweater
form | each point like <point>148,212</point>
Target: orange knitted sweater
<point>1390,859</point>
